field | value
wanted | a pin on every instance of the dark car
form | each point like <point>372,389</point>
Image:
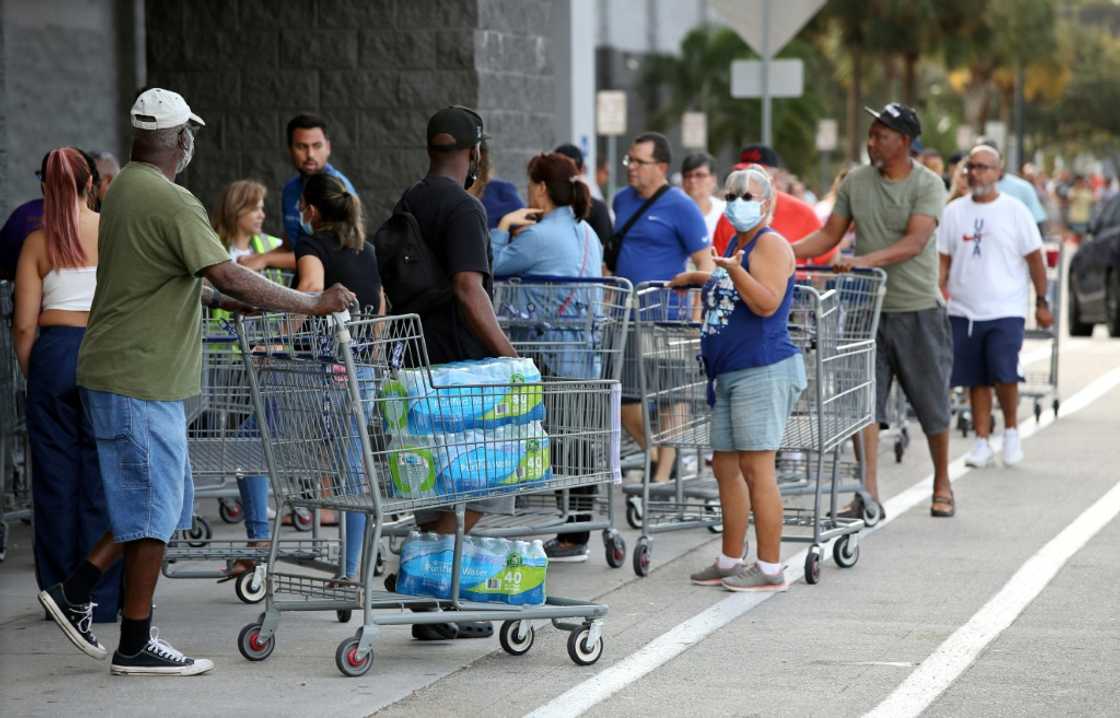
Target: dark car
<point>1094,275</point>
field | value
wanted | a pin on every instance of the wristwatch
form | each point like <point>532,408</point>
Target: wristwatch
<point>1042,302</point>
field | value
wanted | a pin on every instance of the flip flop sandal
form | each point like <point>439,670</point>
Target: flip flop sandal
<point>943,501</point>
<point>233,571</point>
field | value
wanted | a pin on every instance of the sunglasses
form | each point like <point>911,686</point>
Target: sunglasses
<point>731,196</point>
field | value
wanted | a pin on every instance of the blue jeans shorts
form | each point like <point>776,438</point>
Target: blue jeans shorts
<point>987,353</point>
<point>753,405</point>
<point>145,467</point>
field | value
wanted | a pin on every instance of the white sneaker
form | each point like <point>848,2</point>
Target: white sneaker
<point>1012,449</point>
<point>980,456</point>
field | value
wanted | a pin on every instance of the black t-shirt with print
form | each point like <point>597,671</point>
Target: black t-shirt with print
<point>357,271</point>
<point>453,223</point>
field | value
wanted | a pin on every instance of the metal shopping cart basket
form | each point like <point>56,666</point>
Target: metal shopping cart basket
<point>573,328</point>
<point>15,472</point>
<point>337,413</point>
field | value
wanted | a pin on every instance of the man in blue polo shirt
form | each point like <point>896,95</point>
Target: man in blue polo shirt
<point>655,248</point>
<point>310,150</point>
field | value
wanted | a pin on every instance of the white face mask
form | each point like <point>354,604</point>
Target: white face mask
<point>188,154</point>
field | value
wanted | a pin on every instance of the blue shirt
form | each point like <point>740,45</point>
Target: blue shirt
<point>658,244</point>
<point>1023,191</point>
<point>560,246</point>
<point>499,198</point>
<point>23,220</point>
<point>289,204</point>
<point>732,336</point>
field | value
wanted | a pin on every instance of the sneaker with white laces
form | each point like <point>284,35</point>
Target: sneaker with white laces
<point>713,575</point>
<point>980,456</point>
<point>75,620</point>
<point>158,658</point>
<point>753,578</point>
<point>1012,449</point>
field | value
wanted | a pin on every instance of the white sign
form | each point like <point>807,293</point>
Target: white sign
<point>694,130</point>
<point>827,134</point>
<point>996,131</point>
<point>610,112</point>
<point>787,78</point>
<point>965,138</point>
<point>767,25</point>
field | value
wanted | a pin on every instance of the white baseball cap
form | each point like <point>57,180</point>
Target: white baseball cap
<point>159,109</point>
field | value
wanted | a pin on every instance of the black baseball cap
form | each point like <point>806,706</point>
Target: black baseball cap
<point>899,118</point>
<point>759,155</point>
<point>570,150</point>
<point>462,123</point>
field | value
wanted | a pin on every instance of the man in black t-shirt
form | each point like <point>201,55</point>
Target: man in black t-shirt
<point>600,216</point>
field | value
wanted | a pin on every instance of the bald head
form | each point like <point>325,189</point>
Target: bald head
<point>983,166</point>
<point>987,154</point>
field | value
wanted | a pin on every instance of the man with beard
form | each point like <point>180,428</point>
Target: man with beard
<point>310,151</point>
<point>990,250</point>
<point>896,203</point>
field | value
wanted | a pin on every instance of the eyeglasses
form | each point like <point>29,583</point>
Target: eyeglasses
<point>976,166</point>
<point>731,196</point>
<point>628,160</point>
<point>701,175</point>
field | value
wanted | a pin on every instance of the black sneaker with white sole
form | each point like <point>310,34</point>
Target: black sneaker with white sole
<point>75,620</point>
<point>158,658</point>
<point>565,552</point>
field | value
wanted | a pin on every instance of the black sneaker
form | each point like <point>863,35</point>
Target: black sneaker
<point>158,658</point>
<point>565,552</point>
<point>74,620</point>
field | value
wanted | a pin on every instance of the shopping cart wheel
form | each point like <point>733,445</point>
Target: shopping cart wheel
<point>302,519</point>
<point>634,512</point>
<point>641,557</point>
<point>349,662</point>
<point>899,450</point>
<point>199,533</point>
<point>844,553</point>
<point>379,565</point>
<point>1056,405</point>
<point>813,565</point>
<point>872,512</point>
<point>230,511</point>
<point>391,583</point>
<point>962,425</point>
<point>251,645</point>
<point>615,547</point>
<point>247,591</point>
<point>581,650</point>
<point>344,615</point>
<point>712,508</point>
<point>1037,412</point>
<point>511,643</point>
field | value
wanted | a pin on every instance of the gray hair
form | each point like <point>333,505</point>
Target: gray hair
<point>740,181</point>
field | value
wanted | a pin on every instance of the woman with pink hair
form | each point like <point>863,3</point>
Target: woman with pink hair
<point>55,281</point>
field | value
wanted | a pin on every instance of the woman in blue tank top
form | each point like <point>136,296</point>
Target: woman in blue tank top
<point>755,375</point>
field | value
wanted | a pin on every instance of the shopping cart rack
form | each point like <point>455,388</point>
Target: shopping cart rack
<point>15,464</point>
<point>337,415</point>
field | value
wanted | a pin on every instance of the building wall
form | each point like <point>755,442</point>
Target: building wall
<point>65,82</point>
<point>375,69</point>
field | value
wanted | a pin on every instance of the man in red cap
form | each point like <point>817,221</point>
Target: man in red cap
<point>793,219</point>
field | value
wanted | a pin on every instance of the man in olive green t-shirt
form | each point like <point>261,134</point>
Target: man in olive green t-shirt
<point>896,204</point>
<point>140,358</point>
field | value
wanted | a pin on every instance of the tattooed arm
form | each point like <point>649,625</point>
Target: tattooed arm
<point>248,289</point>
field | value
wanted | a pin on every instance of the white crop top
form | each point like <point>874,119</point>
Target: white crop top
<point>70,289</point>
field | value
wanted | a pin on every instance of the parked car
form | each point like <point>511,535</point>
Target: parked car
<point>1094,275</point>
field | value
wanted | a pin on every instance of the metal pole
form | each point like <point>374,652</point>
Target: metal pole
<point>1017,158</point>
<point>766,134</point>
<point>612,163</point>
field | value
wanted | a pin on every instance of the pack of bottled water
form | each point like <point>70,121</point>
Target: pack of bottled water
<point>491,569</point>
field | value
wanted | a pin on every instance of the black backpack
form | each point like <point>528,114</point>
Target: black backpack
<point>412,277</point>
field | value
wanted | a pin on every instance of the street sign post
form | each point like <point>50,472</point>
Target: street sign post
<point>610,120</point>
<point>766,27</point>
<point>694,130</point>
<point>826,141</point>
<point>786,78</point>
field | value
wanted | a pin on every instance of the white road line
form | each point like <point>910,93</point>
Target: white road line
<point>957,653</point>
<point>583,696</point>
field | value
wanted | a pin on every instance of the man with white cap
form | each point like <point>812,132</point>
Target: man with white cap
<point>140,358</point>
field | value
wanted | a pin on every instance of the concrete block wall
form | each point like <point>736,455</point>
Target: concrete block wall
<point>375,69</point>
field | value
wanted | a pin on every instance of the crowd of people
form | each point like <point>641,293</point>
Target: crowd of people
<point>114,267</point>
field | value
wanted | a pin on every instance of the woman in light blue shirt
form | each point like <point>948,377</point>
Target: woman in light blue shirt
<point>550,237</point>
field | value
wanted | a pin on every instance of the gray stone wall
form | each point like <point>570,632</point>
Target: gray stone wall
<point>375,69</point>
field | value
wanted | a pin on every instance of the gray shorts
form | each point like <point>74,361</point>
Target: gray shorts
<point>917,348</point>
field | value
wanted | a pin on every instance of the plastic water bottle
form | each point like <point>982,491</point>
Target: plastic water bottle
<point>536,574</point>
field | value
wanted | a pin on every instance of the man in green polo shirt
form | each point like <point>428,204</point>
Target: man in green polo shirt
<point>896,204</point>
<point>140,358</point>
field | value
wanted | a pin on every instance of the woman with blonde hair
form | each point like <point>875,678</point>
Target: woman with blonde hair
<point>238,219</point>
<point>55,282</point>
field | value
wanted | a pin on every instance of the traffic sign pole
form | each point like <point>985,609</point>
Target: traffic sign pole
<point>765,52</point>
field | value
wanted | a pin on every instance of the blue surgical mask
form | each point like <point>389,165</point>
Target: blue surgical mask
<point>744,214</point>
<point>306,226</point>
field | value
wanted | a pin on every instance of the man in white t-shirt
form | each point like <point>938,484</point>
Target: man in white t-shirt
<point>699,181</point>
<point>990,251</point>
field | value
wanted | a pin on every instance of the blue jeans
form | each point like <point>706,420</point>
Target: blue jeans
<point>254,491</point>
<point>349,455</point>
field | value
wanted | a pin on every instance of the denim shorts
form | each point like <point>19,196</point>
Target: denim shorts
<point>145,467</point>
<point>987,352</point>
<point>753,405</point>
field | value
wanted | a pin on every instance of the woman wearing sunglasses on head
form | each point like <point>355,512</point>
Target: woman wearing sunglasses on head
<point>755,376</point>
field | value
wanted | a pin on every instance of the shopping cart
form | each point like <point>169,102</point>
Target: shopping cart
<point>15,474</point>
<point>336,415</point>
<point>573,328</point>
<point>832,320</point>
<point>224,445</point>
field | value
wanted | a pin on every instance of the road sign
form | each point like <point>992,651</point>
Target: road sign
<point>786,78</point>
<point>782,21</point>
<point>610,112</point>
<point>827,132</point>
<point>694,130</point>
<point>965,138</point>
<point>996,131</point>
